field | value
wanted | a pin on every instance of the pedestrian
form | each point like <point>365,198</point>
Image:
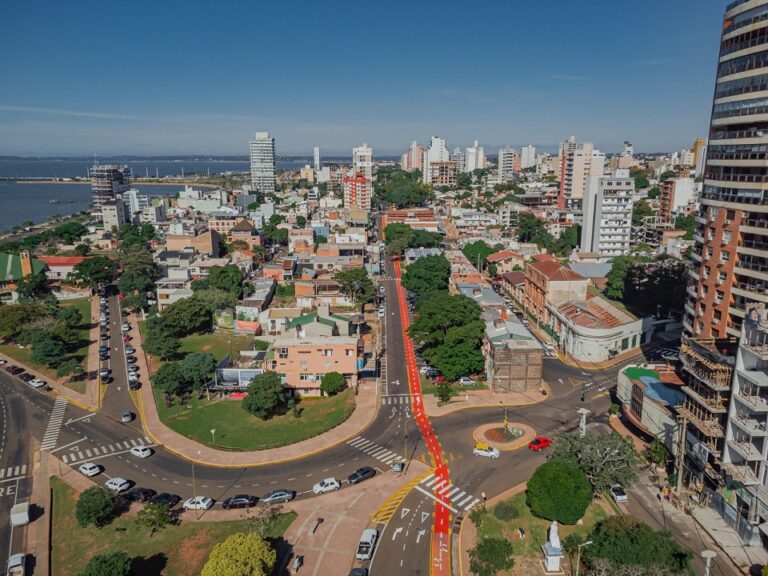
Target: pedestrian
<point>482,494</point>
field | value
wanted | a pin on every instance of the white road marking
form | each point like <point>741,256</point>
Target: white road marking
<point>436,499</point>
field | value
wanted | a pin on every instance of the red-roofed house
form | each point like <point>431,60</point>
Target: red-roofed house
<point>549,282</point>
<point>60,267</point>
<point>506,260</point>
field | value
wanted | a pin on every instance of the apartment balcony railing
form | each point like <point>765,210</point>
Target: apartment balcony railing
<point>715,375</point>
<point>714,404</point>
<point>745,178</point>
<point>708,426</point>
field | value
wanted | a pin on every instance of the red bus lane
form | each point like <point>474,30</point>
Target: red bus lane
<point>440,561</point>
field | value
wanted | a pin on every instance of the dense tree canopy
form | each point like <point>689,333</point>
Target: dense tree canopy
<point>241,554</point>
<point>399,237</point>
<point>559,491</point>
<point>427,275</point>
<point>401,189</point>
<point>95,506</point>
<point>477,253</point>
<point>332,383</point>
<point>491,556</point>
<point>687,223</point>
<point>605,460</point>
<point>640,210</point>
<point>266,396</point>
<point>356,284</point>
<point>440,313</point>
<point>94,271</point>
<point>108,564</point>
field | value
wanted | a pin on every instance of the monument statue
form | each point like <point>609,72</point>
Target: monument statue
<point>554,537</point>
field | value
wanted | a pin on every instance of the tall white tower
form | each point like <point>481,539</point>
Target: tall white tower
<point>263,163</point>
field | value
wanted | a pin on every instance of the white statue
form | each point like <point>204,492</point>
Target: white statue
<point>554,537</point>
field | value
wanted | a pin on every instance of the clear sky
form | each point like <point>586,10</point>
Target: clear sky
<point>192,76</point>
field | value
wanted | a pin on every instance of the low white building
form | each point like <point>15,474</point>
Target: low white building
<point>174,287</point>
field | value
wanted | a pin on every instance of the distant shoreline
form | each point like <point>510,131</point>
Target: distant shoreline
<point>135,181</point>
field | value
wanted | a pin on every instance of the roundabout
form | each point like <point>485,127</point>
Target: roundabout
<point>514,436</point>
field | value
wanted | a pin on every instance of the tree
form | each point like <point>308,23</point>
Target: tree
<point>160,340</point>
<point>427,274</point>
<point>355,283</point>
<point>241,555</point>
<point>531,229</point>
<point>94,271</point>
<point>32,287</point>
<point>400,188</point>
<point>332,383</point>
<point>687,223</point>
<point>477,253</point>
<point>559,491</point>
<point>667,175</point>
<point>625,541</point>
<point>95,506</point>
<point>170,380</point>
<point>658,285</point>
<point>570,546</point>
<point>14,318</point>
<point>187,316</point>
<point>444,391</point>
<point>491,556</point>
<point>109,564</point>
<point>197,369</point>
<point>605,460</point>
<point>397,237</point>
<point>460,353</point>
<point>617,277</point>
<point>641,181</point>
<point>69,316</point>
<point>82,250</point>
<point>654,193</point>
<point>440,313</point>
<point>301,221</point>
<point>657,453</point>
<point>239,245</point>
<point>215,299</point>
<point>154,517</point>
<point>266,396</point>
<point>228,278</point>
<point>48,351</point>
<point>463,180</point>
<point>68,367</point>
<point>640,211</point>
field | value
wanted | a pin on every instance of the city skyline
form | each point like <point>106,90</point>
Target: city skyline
<point>143,87</point>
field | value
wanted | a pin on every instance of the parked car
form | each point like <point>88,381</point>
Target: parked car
<point>142,451</point>
<point>169,500</point>
<point>464,381</point>
<point>618,493</point>
<point>126,416</point>
<point>198,503</point>
<point>485,450</point>
<point>130,359</point>
<point>125,327</point>
<point>26,377</point>
<point>539,443</point>
<point>279,495</point>
<point>2,361</point>
<point>118,485</point>
<point>38,383</point>
<point>13,369</point>
<point>89,469</point>
<point>134,384</point>
<point>133,368</point>
<point>17,565</point>
<point>105,335</point>
<point>130,349</point>
<point>239,501</point>
<point>358,572</point>
<point>381,313</point>
<point>425,370</point>
<point>438,378</point>
<point>126,337</point>
<point>139,494</point>
<point>327,485</point>
<point>104,373</point>
<point>361,474</point>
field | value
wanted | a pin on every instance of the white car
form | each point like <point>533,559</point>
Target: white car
<point>381,313</point>
<point>90,469</point>
<point>118,485</point>
<point>618,493</point>
<point>126,327</point>
<point>327,485</point>
<point>37,383</point>
<point>425,370</point>
<point>141,451</point>
<point>486,450</point>
<point>3,361</point>
<point>198,503</point>
<point>464,381</point>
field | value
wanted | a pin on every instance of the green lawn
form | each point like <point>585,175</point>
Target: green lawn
<point>236,429</point>
<point>217,343</point>
<point>24,355</point>
<point>535,528</point>
<point>179,550</point>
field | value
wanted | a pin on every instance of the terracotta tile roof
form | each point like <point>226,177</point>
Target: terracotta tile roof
<point>555,271</point>
<point>514,278</point>
<point>542,257</point>
<point>595,313</point>
<point>503,255</point>
<point>62,260</point>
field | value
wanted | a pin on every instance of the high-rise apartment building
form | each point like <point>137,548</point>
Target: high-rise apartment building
<point>107,181</point>
<point>263,163</point>
<point>362,161</point>
<point>358,191</point>
<point>316,155</point>
<point>437,152</point>
<point>509,165</point>
<point>474,158</point>
<point>113,215</point>
<point>413,159</point>
<point>607,223</point>
<point>528,157</point>
<point>578,162</point>
<point>457,157</point>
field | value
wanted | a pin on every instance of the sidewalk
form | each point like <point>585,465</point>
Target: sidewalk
<point>618,426</point>
<point>361,418</point>
<point>727,540</point>
<point>38,535</point>
<point>482,399</point>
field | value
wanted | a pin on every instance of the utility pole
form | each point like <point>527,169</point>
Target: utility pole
<point>682,423</point>
<point>583,422</point>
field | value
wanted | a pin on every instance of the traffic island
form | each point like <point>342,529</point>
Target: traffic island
<point>514,437</point>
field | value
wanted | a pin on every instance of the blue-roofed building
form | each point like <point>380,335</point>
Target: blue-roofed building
<point>648,405</point>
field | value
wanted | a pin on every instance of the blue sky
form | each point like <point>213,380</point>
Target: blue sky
<point>172,77</point>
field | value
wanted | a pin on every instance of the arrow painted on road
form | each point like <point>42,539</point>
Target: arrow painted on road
<point>419,534</point>
<point>396,532</point>
<point>86,418</point>
<point>396,382</point>
<point>404,512</point>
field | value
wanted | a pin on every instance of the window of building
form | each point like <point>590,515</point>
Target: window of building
<point>711,233</point>
<point>328,352</point>
<point>304,365</point>
<point>727,237</point>
<point>724,256</point>
<point>282,353</point>
<point>713,212</point>
<point>350,352</point>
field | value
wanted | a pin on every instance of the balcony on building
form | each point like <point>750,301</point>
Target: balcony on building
<point>710,361</point>
<point>756,339</point>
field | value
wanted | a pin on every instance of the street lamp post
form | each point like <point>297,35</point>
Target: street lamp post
<point>578,558</point>
<point>708,556</point>
<point>213,436</point>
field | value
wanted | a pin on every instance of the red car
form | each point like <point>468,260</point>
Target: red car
<point>539,443</point>
<point>439,379</point>
<point>126,338</point>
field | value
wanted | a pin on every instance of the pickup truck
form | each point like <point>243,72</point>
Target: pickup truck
<point>16,565</point>
<point>367,544</point>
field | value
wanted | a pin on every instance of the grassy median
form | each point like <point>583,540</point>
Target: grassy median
<point>179,550</point>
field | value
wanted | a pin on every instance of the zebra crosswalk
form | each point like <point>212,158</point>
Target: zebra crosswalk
<point>446,491</point>
<point>374,450</point>
<point>78,455</point>
<point>54,424</point>
<point>396,400</point>
<point>13,472</point>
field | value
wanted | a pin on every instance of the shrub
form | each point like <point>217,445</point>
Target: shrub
<point>559,491</point>
<point>95,506</point>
